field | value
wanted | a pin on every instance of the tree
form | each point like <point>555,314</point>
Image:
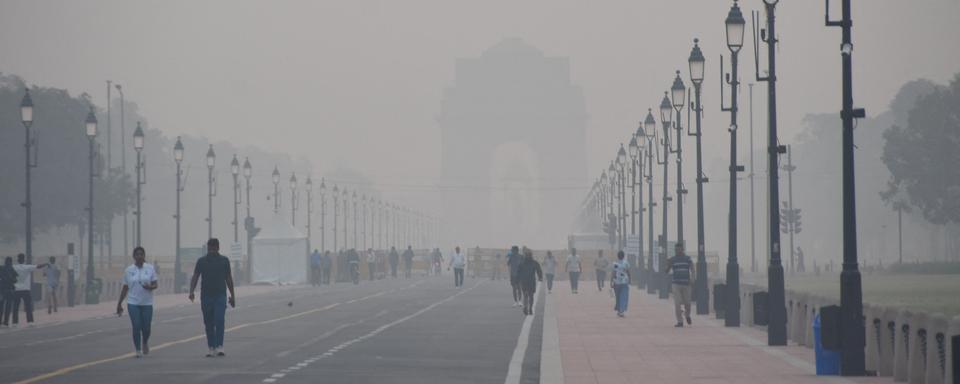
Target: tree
<point>922,157</point>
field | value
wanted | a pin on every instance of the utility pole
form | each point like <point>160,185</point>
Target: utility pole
<point>123,166</point>
<point>793,212</point>
<point>852,328</point>
<point>753,226</point>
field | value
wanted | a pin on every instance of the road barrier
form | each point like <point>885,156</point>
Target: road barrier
<point>909,346</point>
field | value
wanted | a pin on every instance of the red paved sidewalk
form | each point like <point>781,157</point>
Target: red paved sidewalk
<point>598,347</point>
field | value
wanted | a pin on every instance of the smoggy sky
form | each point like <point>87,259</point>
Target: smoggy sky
<point>358,83</point>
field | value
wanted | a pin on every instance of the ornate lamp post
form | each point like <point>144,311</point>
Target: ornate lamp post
<point>696,63</point>
<point>141,178</point>
<point>248,223</point>
<point>621,167</point>
<point>666,111</point>
<point>235,172</point>
<point>293,199</point>
<point>309,186</point>
<point>26,117</point>
<point>92,293</point>
<point>636,212</point>
<point>177,268</point>
<point>336,211</point>
<point>211,161</point>
<point>275,176</point>
<point>734,30</point>
<point>649,128</point>
<point>356,219</point>
<point>323,215</point>
<point>678,94</point>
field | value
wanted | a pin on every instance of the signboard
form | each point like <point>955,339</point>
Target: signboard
<point>632,250</point>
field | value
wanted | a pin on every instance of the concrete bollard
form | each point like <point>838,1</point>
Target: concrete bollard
<point>917,357</point>
<point>746,306</point>
<point>796,315</point>
<point>952,343</point>
<point>788,299</point>
<point>901,351</point>
<point>805,337</point>
<point>936,348</point>
<point>888,336</point>
<point>872,355</point>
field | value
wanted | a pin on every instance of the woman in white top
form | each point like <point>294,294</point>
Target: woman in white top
<point>573,267</point>
<point>139,282</point>
<point>550,269</point>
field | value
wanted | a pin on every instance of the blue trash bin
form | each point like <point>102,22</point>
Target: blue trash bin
<point>828,362</point>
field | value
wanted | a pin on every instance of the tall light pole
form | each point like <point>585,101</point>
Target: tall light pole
<point>26,117</point>
<point>636,147</point>
<point>336,211</point>
<point>275,177</point>
<point>649,130</point>
<point>666,109</point>
<point>323,215</point>
<point>140,168</point>
<point>356,219</point>
<point>293,199</point>
<point>678,94</point>
<point>123,163</point>
<point>621,167</point>
<point>92,295</point>
<point>178,159</point>
<point>776,301</point>
<point>248,223</point>
<point>235,172</point>
<point>363,231</point>
<point>852,333</point>
<point>211,191</point>
<point>753,226</point>
<point>696,63</point>
<point>309,186</point>
<point>734,31</point>
<point>346,210</point>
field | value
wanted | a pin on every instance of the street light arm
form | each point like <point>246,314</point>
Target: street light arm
<point>826,17</point>
<point>724,79</point>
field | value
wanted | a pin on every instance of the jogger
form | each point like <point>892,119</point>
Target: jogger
<point>573,267</point>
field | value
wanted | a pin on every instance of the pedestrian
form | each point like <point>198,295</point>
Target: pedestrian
<point>326,266</point>
<point>550,269</point>
<point>22,288</point>
<point>316,265</point>
<point>529,274</point>
<point>682,267</point>
<point>600,265</point>
<point>214,271</point>
<point>394,261</point>
<point>475,268</point>
<point>458,261</point>
<point>353,258</point>
<point>495,273</point>
<point>408,262</point>
<point>8,280</point>
<point>139,281</point>
<point>513,263</point>
<point>371,263</point>
<point>620,281</point>
<point>53,285</point>
<point>437,263</point>
<point>573,267</point>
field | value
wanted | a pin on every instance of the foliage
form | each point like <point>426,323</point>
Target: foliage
<point>922,156</point>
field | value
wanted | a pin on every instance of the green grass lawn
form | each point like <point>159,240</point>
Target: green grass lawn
<point>929,293</point>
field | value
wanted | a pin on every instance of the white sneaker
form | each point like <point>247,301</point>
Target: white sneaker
<point>211,352</point>
<point>137,354</point>
<point>220,352</point>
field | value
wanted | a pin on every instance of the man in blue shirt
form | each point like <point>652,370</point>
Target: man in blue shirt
<point>213,270</point>
<point>682,267</point>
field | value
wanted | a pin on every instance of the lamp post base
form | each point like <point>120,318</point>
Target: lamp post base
<point>731,311</point>
<point>776,306</point>
<point>853,330</point>
<point>702,293</point>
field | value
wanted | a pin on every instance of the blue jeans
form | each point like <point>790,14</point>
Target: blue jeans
<point>140,318</point>
<point>622,294</point>
<point>574,280</point>
<point>214,311</point>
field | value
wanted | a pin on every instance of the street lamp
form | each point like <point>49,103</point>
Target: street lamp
<point>648,133</point>
<point>211,192</point>
<point>666,110</point>
<point>696,63</point>
<point>248,222</point>
<point>621,166</point>
<point>852,330</point>
<point>178,159</point>
<point>336,211</point>
<point>356,219</point>
<point>323,215</point>
<point>140,168</point>
<point>275,176</point>
<point>734,29</point>
<point>636,201</point>
<point>363,232</point>
<point>293,199</point>
<point>26,117</point>
<point>345,197</point>
<point>776,301</point>
<point>678,94</point>
<point>235,172</point>
<point>309,186</point>
<point>92,293</point>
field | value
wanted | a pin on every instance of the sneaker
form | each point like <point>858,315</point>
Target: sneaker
<point>137,354</point>
<point>689,321</point>
<point>619,314</point>
<point>220,352</point>
<point>211,352</point>
<point>679,324</point>
<point>146,348</point>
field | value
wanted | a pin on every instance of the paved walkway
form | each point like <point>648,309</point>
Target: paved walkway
<point>598,347</point>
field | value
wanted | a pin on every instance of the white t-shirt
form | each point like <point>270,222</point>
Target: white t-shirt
<point>458,260</point>
<point>24,276</point>
<point>135,278</point>
<point>573,263</point>
<point>371,257</point>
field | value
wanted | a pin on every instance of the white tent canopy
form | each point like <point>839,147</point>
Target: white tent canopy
<point>279,253</point>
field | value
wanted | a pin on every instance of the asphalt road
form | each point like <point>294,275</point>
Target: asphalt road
<point>388,331</point>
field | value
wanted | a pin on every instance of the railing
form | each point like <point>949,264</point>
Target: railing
<point>909,346</point>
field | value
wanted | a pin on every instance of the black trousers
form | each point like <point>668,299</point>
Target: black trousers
<point>393,270</point>
<point>326,276</point>
<point>27,298</point>
<point>529,291</point>
<point>458,277</point>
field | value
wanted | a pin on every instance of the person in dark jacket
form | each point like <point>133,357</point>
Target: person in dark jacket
<point>8,277</point>
<point>408,262</point>
<point>394,261</point>
<point>529,274</point>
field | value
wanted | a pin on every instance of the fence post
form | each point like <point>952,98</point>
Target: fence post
<point>936,348</point>
<point>870,313</point>
<point>901,349</point>
<point>919,337</point>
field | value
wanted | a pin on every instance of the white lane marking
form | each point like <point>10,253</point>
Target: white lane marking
<point>516,362</point>
<point>551,364</point>
<point>344,345</point>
